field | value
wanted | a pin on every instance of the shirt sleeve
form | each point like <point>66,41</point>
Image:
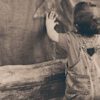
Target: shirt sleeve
<point>69,42</point>
<point>64,41</point>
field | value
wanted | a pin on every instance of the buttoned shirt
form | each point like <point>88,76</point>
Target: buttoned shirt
<point>82,70</point>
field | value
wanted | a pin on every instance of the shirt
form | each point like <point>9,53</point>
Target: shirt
<point>83,70</point>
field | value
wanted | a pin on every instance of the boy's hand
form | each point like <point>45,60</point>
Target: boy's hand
<point>50,24</point>
<point>50,20</point>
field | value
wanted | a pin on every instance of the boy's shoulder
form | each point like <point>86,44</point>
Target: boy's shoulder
<point>68,39</point>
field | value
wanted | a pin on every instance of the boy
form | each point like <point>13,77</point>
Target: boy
<point>83,48</point>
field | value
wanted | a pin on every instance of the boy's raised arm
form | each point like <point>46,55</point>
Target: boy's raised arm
<point>50,24</point>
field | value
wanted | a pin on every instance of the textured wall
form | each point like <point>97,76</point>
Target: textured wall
<point>23,38</point>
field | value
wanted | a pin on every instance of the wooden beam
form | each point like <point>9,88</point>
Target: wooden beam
<point>42,81</point>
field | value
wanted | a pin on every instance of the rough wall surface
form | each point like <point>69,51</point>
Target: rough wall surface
<point>23,38</point>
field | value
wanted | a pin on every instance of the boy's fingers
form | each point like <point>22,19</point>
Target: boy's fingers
<point>55,17</point>
<point>56,23</point>
<point>52,15</point>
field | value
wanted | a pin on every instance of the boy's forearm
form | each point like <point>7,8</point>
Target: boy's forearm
<point>53,35</point>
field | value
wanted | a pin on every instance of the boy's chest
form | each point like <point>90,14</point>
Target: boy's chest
<point>90,46</point>
<point>79,44</point>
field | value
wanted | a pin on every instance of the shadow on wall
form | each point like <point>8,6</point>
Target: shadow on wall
<point>23,38</point>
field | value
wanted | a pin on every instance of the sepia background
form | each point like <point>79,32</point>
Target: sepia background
<point>24,44</point>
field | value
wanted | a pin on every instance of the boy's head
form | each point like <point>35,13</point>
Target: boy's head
<point>84,20</point>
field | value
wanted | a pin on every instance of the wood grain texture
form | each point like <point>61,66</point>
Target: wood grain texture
<point>43,81</point>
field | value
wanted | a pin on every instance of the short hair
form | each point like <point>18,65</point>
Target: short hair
<point>82,7</point>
